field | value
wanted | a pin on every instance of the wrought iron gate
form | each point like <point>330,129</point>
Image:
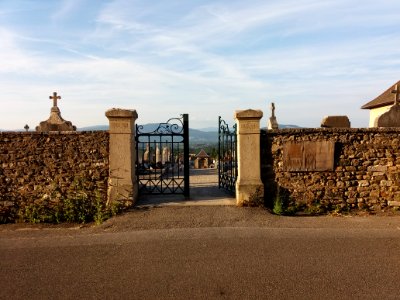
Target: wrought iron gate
<point>162,157</point>
<point>227,159</point>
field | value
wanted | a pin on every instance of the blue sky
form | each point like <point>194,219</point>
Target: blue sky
<point>206,58</point>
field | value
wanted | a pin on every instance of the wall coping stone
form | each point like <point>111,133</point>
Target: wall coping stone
<point>50,132</point>
<point>289,131</point>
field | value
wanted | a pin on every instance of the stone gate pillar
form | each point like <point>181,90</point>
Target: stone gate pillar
<point>122,184</point>
<point>249,187</point>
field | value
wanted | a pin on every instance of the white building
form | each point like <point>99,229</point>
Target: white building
<point>381,104</point>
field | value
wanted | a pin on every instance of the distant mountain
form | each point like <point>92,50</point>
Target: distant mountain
<point>282,126</point>
<point>14,130</point>
<point>205,135</point>
<point>93,128</point>
<point>195,135</point>
<point>199,136</point>
<point>208,129</point>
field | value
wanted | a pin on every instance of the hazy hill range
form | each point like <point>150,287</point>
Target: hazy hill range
<point>282,126</point>
<point>206,135</point>
<point>195,135</point>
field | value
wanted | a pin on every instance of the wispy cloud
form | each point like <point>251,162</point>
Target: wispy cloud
<point>66,8</point>
<point>311,57</point>
<point>13,57</point>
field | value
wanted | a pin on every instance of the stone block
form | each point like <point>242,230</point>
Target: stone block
<point>335,122</point>
<point>386,183</point>
<point>394,203</point>
<point>381,169</point>
<point>363,183</point>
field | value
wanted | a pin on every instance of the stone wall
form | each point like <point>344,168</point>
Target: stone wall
<point>366,172</point>
<point>46,168</point>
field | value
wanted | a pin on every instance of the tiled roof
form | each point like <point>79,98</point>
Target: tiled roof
<point>202,154</point>
<point>384,99</point>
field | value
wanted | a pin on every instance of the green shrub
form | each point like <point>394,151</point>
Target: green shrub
<point>281,202</point>
<point>76,207</point>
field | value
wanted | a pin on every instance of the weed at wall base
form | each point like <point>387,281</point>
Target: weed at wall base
<point>77,206</point>
<point>281,203</point>
<point>71,210</point>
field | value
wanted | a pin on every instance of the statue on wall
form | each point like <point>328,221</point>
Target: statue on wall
<point>273,123</point>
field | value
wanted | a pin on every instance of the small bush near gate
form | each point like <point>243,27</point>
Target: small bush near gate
<point>281,202</point>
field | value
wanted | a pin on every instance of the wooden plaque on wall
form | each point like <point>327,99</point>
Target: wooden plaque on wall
<point>309,156</point>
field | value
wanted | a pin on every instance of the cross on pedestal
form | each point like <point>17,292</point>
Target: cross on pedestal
<point>397,96</point>
<point>55,98</point>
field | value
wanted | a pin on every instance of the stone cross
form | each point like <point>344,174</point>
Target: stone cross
<point>397,96</point>
<point>55,97</point>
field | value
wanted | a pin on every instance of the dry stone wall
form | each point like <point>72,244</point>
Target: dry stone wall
<point>366,172</point>
<point>46,168</point>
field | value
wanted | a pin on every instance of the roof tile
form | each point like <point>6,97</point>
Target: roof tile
<point>384,99</point>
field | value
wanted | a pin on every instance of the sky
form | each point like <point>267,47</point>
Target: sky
<point>312,58</point>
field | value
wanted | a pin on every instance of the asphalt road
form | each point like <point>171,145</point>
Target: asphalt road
<point>204,253</point>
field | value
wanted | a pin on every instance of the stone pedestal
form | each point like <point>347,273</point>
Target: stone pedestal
<point>249,187</point>
<point>122,184</point>
<point>272,123</point>
<point>55,122</point>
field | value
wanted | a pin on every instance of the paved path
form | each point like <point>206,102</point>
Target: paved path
<point>203,191</point>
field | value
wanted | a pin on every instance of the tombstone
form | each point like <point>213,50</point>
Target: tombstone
<point>55,122</point>
<point>335,122</point>
<point>392,117</point>
<point>165,155</point>
<point>158,154</point>
<point>26,127</point>
<point>273,123</point>
<point>146,155</point>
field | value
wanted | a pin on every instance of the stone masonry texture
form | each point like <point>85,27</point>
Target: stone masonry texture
<point>43,168</point>
<point>366,171</point>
